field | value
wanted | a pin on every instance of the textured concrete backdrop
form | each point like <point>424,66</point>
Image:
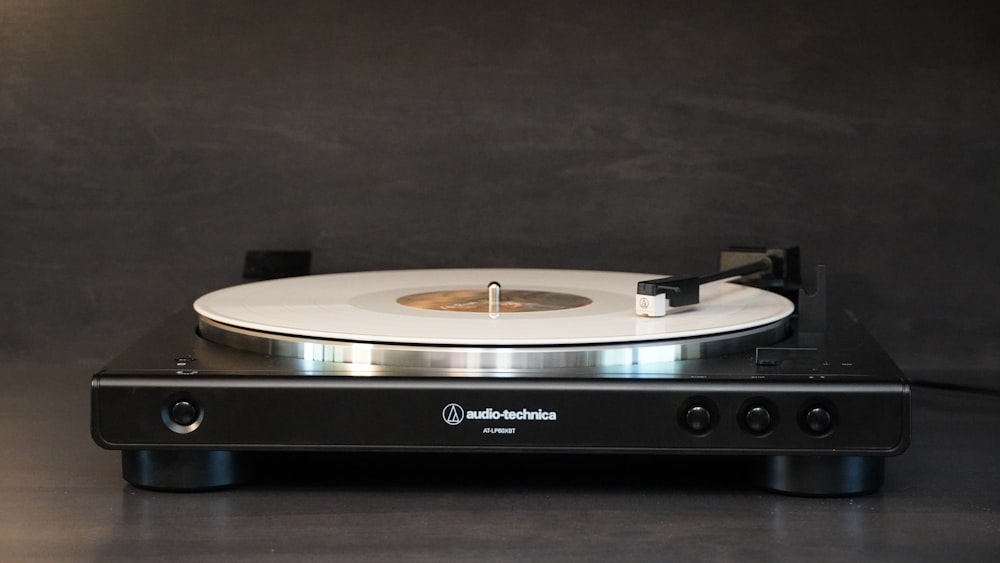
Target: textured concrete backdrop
<point>144,146</point>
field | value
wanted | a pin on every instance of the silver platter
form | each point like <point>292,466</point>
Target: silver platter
<point>618,355</point>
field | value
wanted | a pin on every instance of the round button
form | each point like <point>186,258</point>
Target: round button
<point>758,419</point>
<point>819,420</point>
<point>698,419</point>
<point>184,413</point>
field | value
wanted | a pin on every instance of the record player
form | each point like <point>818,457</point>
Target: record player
<point>512,362</point>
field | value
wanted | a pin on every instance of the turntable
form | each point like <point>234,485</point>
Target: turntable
<point>511,362</point>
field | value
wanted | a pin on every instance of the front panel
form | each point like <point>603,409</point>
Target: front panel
<point>457,414</point>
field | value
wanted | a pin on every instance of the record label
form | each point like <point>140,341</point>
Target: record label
<point>478,301</point>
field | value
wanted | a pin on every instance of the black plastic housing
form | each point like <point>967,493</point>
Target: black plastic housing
<point>247,402</point>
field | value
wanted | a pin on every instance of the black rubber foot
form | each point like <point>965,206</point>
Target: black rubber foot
<point>822,475</point>
<point>168,470</point>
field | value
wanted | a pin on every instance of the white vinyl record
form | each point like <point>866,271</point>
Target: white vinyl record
<point>445,307</point>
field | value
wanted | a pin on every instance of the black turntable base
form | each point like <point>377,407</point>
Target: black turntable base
<point>530,363</point>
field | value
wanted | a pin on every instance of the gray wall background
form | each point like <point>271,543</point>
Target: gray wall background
<point>144,146</point>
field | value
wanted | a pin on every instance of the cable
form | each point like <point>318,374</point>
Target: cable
<point>959,387</point>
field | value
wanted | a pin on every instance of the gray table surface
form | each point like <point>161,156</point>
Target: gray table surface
<point>62,498</point>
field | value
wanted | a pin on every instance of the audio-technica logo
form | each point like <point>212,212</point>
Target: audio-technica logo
<point>454,414</point>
